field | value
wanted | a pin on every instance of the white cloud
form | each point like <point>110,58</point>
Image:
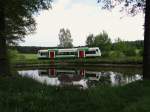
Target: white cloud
<point>82,19</point>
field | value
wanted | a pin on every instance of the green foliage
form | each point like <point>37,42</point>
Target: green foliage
<point>17,21</point>
<point>101,40</point>
<point>28,56</point>
<point>18,17</point>
<point>15,55</point>
<point>116,54</point>
<point>129,48</point>
<point>90,40</point>
<point>130,52</point>
<point>141,51</point>
<point>118,49</point>
<point>12,53</point>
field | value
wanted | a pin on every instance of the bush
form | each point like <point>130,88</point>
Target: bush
<point>116,54</point>
<point>12,53</point>
<point>130,52</point>
<point>141,52</point>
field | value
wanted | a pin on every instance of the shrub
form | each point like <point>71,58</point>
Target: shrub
<point>116,54</point>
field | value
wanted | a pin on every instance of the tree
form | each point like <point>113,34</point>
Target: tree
<point>126,47</point>
<point>103,41</point>
<point>90,40</point>
<point>65,38</point>
<point>16,21</point>
<point>133,7</point>
<point>146,70</point>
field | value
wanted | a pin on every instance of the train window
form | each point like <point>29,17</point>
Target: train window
<point>96,50</point>
<point>44,53</point>
<point>90,52</point>
<point>66,53</point>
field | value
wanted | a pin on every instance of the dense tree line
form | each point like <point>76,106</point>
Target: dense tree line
<point>33,49</point>
<point>129,48</point>
<point>27,49</point>
<point>118,48</point>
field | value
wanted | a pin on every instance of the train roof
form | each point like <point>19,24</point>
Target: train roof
<point>69,49</point>
<point>44,50</point>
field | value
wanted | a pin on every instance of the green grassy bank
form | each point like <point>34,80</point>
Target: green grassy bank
<point>19,94</point>
<point>26,59</point>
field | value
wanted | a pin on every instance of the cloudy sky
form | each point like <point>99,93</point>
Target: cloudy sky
<point>83,17</point>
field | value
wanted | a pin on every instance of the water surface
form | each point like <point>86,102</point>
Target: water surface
<point>83,77</point>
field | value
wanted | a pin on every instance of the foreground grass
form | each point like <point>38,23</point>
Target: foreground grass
<point>19,94</point>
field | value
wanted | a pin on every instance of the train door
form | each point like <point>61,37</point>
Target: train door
<point>52,54</point>
<point>81,54</point>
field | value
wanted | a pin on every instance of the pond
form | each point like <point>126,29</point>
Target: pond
<point>83,77</point>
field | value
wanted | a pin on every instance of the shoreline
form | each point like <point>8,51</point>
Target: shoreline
<point>77,65</point>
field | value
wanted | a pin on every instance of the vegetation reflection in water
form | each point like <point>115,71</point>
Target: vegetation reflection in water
<point>81,78</point>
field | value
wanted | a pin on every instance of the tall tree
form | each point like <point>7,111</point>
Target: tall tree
<point>133,7</point>
<point>146,70</point>
<point>103,41</point>
<point>90,40</point>
<point>16,21</point>
<point>65,38</point>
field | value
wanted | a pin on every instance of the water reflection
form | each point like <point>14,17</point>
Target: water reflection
<point>80,78</point>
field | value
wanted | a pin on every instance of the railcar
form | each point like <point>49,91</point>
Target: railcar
<point>69,53</point>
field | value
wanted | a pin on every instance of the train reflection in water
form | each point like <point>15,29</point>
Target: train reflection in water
<point>80,78</point>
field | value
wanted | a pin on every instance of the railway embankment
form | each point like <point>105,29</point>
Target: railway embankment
<point>126,62</point>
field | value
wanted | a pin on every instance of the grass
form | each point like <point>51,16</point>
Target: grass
<point>101,59</point>
<point>29,56</point>
<point>18,94</point>
<point>32,60</point>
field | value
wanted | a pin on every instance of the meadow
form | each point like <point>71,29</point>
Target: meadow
<point>26,59</point>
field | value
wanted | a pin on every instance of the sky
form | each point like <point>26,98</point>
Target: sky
<point>83,17</point>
